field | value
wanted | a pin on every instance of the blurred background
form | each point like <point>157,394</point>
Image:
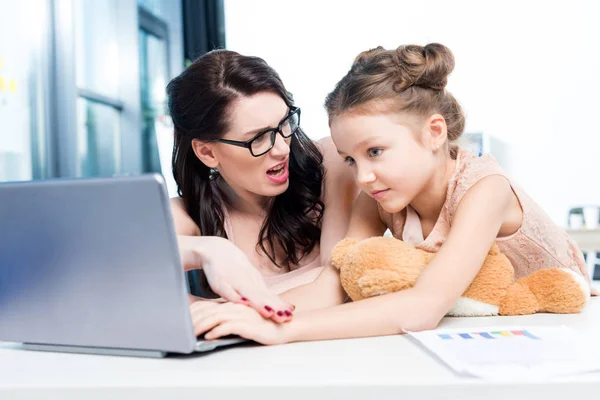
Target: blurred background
<point>82,82</point>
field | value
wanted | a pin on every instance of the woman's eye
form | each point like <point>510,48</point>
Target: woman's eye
<point>375,152</point>
<point>261,138</point>
<point>349,160</point>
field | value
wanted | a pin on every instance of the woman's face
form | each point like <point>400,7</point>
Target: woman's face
<point>263,176</point>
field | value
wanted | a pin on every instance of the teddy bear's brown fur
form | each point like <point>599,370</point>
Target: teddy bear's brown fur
<point>383,265</point>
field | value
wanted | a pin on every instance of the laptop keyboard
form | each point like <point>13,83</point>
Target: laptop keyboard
<point>201,338</point>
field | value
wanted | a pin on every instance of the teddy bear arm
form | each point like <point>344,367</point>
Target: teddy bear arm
<point>378,281</point>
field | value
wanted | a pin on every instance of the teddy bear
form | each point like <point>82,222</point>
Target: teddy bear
<point>381,265</point>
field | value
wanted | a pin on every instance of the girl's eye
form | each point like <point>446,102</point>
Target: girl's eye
<point>349,160</point>
<point>375,152</point>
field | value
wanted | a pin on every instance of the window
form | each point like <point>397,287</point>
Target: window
<point>97,76</point>
<point>157,8</point>
<point>155,72</point>
<point>71,87</point>
<point>98,139</point>
<point>22,90</point>
<point>153,79</point>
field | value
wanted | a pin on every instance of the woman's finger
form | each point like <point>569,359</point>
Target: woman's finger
<point>254,286</point>
<point>229,293</point>
<point>255,298</point>
<point>268,304</point>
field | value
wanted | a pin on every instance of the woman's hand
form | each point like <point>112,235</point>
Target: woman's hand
<point>216,320</point>
<point>231,275</point>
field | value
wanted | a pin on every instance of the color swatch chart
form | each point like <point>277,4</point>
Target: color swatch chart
<point>489,335</point>
<point>512,351</point>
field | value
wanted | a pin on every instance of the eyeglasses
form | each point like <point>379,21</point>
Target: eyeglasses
<point>260,144</point>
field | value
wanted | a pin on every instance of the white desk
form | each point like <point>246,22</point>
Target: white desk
<point>588,241</point>
<point>372,368</point>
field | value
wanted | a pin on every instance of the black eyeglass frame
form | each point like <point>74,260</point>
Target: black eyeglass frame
<point>273,131</point>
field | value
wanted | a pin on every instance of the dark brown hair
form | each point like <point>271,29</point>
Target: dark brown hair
<point>413,77</point>
<point>199,102</point>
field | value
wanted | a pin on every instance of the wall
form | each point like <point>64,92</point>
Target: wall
<point>526,72</point>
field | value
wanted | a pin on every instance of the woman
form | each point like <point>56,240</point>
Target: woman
<point>246,172</point>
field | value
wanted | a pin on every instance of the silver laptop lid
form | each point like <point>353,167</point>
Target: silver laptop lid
<point>92,262</point>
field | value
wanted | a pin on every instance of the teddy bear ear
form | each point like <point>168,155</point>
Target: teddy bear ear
<point>340,252</point>
<point>495,250</point>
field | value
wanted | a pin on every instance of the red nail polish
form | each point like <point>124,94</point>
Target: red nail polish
<point>280,313</point>
<point>289,314</point>
<point>244,299</point>
<point>269,309</point>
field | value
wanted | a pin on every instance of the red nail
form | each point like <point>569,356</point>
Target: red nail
<point>269,309</point>
<point>280,313</point>
<point>244,299</point>
<point>289,314</point>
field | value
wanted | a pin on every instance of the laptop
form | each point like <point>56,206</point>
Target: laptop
<point>92,265</point>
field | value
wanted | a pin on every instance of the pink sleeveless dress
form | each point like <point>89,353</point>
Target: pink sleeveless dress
<point>309,269</point>
<point>539,243</point>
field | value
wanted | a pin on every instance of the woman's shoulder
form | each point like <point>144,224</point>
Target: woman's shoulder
<point>327,149</point>
<point>332,162</point>
<point>184,224</point>
<point>339,180</point>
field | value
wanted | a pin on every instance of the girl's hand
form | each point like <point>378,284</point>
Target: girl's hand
<point>216,320</point>
<point>231,275</point>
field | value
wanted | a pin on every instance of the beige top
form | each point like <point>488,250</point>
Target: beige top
<point>307,271</point>
<point>538,243</point>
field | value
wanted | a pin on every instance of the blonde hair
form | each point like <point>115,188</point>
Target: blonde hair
<point>413,77</point>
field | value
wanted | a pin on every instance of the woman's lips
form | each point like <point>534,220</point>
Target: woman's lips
<point>281,176</point>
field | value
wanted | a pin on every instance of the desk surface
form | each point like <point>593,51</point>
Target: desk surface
<point>381,367</point>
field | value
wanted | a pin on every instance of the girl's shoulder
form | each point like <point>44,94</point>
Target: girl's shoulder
<point>469,170</point>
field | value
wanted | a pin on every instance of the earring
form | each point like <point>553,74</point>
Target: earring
<point>214,174</point>
<point>436,148</point>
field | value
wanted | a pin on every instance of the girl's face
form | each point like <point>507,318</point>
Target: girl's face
<point>390,154</point>
<point>249,176</point>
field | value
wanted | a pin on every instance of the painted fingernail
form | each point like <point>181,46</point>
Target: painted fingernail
<point>289,314</point>
<point>244,299</point>
<point>269,309</point>
<point>280,313</point>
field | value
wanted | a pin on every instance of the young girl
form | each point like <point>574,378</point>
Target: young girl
<point>395,126</point>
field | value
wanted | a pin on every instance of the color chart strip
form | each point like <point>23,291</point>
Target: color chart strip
<point>488,335</point>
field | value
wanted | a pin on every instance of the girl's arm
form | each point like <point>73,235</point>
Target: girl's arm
<point>477,222</point>
<point>326,290</point>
